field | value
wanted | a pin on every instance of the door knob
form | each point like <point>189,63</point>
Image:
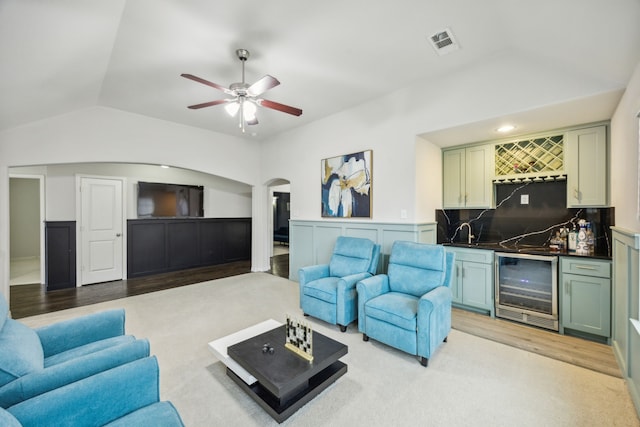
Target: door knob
<point>118,235</point>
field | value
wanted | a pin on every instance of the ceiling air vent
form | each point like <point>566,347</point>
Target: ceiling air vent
<point>444,42</point>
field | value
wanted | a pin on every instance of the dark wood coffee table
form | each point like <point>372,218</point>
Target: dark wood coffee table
<point>286,381</point>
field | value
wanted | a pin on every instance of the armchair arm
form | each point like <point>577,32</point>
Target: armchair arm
<point>309,274</point>
<point>349,282</point>
<point>96,400</point>
<point>346,301</point>
<point>56,376</point>
<point>434,319</point>
<point>367,289</point>
<point>372,287</point>
<point>312,272</point>
<point>72,333</point>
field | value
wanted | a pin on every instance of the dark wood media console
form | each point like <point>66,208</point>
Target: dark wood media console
<point>170,244</point>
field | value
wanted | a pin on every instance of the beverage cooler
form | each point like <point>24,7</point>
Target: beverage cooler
<point>527,289</point>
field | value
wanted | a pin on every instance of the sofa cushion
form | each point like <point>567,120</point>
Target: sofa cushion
<point>351,255</point>
<point>323,289</point>
<point>20,351</point>
<point>8,420</point>
<point>87,349</point>
<point>395,308</point>
<point>416,268</point>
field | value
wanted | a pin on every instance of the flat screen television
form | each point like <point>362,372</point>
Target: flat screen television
<point>158,200</point>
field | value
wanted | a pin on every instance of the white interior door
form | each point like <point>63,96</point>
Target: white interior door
<point>101,230</point>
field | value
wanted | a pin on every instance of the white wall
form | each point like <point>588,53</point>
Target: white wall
<point>100,134</point>
<point>403,167</point>
<point>406,171</point>
<point>428,164</point>
<point>223,198</point>
<point>624,156</point>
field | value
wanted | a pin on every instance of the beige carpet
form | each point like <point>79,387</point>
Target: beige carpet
<point>470,381</point>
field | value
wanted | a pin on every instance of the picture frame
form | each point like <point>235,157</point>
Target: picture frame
<point>346,183</point>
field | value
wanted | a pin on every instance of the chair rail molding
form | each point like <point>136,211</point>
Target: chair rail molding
<point>311,241</point>
<point>626,307</point>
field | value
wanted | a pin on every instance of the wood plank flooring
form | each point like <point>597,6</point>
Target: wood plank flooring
<point>577,351</point>
<point>30,300</point>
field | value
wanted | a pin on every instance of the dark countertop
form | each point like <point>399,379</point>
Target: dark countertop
<point>524,249</point>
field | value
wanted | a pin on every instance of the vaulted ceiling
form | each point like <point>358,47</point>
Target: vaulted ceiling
<point>58,56</point>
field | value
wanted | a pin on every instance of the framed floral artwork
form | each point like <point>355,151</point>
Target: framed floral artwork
<point>346,185</point>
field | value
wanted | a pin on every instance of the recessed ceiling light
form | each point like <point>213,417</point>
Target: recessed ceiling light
<point>506,128</point>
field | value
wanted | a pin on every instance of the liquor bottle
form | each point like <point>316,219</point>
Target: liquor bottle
<point>581,247</point>
<point>590,239</point>
<point>572,238</point>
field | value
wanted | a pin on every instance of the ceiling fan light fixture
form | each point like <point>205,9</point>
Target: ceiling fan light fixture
<point>246,98</point>
<point>249,111</point>
<point>232,108</point>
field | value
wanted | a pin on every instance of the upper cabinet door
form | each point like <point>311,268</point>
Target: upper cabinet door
<point>586,167</point>
<point>479,171</point>
<point>453,178</point>
<point>466,179</point>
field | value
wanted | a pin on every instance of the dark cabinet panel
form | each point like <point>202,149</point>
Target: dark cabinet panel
<point>211,242</point>
<point>162,245</point>
<point>182,245</point>
<point>146,249</point>
<point>60,260</point>
<point>237,245</point>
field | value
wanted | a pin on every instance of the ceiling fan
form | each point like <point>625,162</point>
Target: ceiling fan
<point>246,97</point>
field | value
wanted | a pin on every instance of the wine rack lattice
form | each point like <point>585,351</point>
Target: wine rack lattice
<point>543,154</point>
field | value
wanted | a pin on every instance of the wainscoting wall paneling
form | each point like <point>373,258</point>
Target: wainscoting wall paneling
<point>626,308</point>
<point>311,242</point>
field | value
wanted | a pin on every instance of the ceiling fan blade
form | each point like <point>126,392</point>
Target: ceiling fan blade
<point>208,83</point>
<point>280,107</point>
<point>262,85</point>
<point>210,103</point>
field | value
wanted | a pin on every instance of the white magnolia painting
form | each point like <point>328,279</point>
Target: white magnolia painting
<point>346,185</point>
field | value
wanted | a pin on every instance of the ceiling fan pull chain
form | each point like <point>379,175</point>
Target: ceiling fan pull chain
<point>241,115</point>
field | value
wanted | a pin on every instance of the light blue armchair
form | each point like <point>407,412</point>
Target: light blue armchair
<point>328,291</point>
<point>409,308</point>
<point>125,396</point>
<point>35,361</point>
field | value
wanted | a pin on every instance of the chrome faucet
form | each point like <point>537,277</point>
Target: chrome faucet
<point>471,236</point>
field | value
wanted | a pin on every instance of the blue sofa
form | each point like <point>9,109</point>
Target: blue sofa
<point>36,361</point>
<point>328,291</point>
<point>125,396</point>
<point>409,308</point>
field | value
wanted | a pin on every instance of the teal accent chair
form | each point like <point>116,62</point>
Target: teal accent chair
<point>409,308</point>
<point>35,361</point>
<point>125,396</point>
<point>328,291</point>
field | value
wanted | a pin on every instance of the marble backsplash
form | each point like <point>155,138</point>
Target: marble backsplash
<point>514,222</point>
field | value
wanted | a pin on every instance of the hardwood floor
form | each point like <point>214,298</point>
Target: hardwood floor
<point>30,300</point>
